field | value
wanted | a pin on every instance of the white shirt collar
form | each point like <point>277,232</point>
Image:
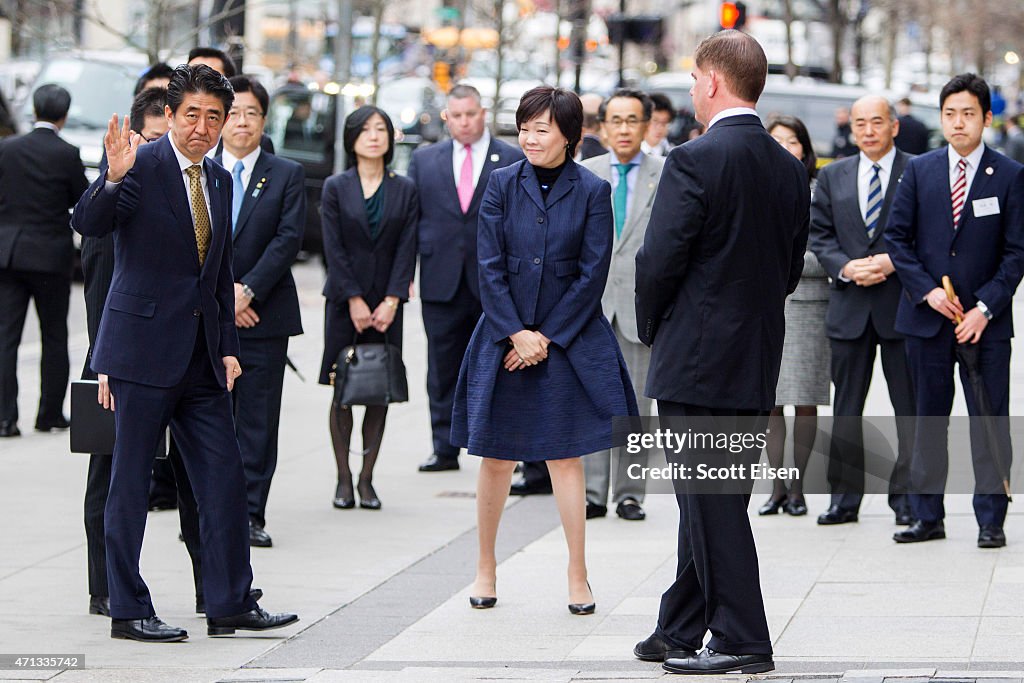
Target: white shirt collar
<point>973,159</point>
<point>248,161</point>
<point>47,125</point>
<point>732,111</point>
<point>885,162</point>
<point>183,161</point>
<point>478,147</point>
<point>635,161</point>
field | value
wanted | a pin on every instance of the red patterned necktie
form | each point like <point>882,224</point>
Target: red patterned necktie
<point>959,192</point>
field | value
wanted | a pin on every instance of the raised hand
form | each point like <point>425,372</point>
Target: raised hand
<point>120,143</point>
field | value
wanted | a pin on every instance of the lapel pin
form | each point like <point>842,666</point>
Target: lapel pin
<point>989,171</point>
<point>494,158</point>
<point>259,186</point>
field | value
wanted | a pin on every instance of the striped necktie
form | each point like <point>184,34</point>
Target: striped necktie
<point>959,192</point>
<point>874,211</point>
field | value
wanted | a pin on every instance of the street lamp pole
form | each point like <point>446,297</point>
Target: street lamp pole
<point>342,75</point>
<point>622,41</point>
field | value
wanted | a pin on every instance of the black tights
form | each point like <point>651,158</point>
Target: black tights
<point>341,439</point>
<point>805,426</point>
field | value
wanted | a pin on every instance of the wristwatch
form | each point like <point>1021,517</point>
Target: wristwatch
<point>247,290</point>
<point>984,310</point>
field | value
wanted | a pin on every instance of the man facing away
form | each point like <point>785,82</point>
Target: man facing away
<point>723,249</point>
<point>168,343</point>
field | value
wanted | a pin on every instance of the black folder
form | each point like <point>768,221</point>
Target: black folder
<point>92,425</point>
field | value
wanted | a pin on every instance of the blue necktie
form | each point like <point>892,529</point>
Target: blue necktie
<point>874,202</point>
<point>621,198</point>
<point>237,194</point>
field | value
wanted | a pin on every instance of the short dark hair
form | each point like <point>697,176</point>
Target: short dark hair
<point>971,83</point>
<point>157,70</point>
<point>809,159</point>
<point>199,78</point>
<point>149,102</point>
<point>51,103</point>
<point>229,64</point>
<point>662,102</point>
<point>738,58</point>
<point>461,91</point>
<point>565,107</point>
<point>629,93</point>
<point>249,84</point>
<point>354,123</point>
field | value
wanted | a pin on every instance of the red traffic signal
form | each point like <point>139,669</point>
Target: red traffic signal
<point>732,15</point>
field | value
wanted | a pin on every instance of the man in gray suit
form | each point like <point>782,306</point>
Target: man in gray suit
<point>634,179</point>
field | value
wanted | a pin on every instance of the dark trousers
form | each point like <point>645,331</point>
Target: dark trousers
<point>853,361</point>
<point>52,294</point>
<point>257,408</point>
<point>931,363</point>
<point>717,586</point>
<point>198,411</point>
<point>449,326</point>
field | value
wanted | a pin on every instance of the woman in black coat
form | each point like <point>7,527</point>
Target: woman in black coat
<point>369,230</point>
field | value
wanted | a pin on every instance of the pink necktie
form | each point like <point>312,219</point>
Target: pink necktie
<point>959,192</point>
<point>466,181</point>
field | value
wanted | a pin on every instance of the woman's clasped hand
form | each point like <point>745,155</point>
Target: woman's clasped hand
<point>528,348</point>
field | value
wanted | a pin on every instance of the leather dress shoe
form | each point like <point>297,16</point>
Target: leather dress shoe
<point>795,507</point>
<point>595,510</point>
<point>151,630</point>
<point>921,531</point>
<point>253,620</point>
<point>630,510</point>
<point>711,662</point>
<point>991,537</point>
<point>523,488</point>
<point>904,517</point>
<point>439,463</point>
<point>370,501</point>
<point>258,537</point>
<point>341,501</point>
<point>51,424</point>
<point>654,649</point>
<point>771,507</point>
<point>9,428</point>
<point>99,605</point>
<point>256,594</point>
<point>837,515</point>
<point>583,608</point>
<point>161,503</point>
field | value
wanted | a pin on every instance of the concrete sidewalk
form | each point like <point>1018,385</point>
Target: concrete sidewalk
<point>383,595</point>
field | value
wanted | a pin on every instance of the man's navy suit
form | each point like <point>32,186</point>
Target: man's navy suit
<point>984,257</point>
<point>267,236</point>
<point>166,325</point>
<point>449,289</point>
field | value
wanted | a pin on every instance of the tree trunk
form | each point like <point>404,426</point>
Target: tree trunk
<point>787,17</point>
<point>837,21</point>
<point>378,18</point>
<point>890,44</point>
<point>499,76</point>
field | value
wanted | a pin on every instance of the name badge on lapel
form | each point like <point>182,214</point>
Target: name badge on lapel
<point>989,206</point>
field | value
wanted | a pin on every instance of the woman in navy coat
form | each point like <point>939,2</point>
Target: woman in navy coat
<point>543,375</point>
<point>369,227</point>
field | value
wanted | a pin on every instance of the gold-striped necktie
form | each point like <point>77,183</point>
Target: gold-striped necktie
<point>202,216</point>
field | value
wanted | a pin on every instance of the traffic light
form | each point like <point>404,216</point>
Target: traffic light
<point>442,76</point>
<point>732,15</point>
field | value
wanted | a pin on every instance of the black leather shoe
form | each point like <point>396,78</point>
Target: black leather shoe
<point>439,463</point>
<point>837,515</point>
<point>594,510</point>
<point>48,425</point>
<point>253,620</point>
<point>369,500</point>
<point>630,510</point>
<point>341,501</point>
<point>991,537</point>
<point>904,517</point>
<point>583,608</point>
<point>920,531</point>
<point>99,605</point>
<point>151,630</point>
<point>654,649</point>
<point>521,488</point>
<point>795,507</point>
<point>9,428</point>
<point>711,662</point>
<point>159,504</point>
<point>256,594</point>
<point>771,507</point>
<point>258,537</point>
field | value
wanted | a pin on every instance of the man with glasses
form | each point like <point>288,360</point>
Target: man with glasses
<point>634,177</point>
<point>268,215</point>
<point>656,138</point>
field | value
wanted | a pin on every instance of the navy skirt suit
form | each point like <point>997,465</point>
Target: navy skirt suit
<point>543,266</point>
<point>371,262</point>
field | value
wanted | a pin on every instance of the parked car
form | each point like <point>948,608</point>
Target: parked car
<point>414,105</point>
<point>516,79</point>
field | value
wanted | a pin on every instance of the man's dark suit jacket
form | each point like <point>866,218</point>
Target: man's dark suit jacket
<point>717,264</point>
<point>590,147</point>
<point>447,237</point>
<point>984,256</point>
<point>913,137</point>
<point>267,237</point>
<point>159,297</point>
<point>41,177</point>
<point>838,235</point>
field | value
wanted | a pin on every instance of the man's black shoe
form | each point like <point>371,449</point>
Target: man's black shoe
<point>711,662</point>
<point>256,594</point>
<point>151,630</point>
<point>654,649</point>
<point>9,428</point>
<point>595,510</point>
<point>51,424</point>
<point>439,463</point>
<point>921,531</point>
<point>904,517</point>
<point>631,510</point>
<point>258,537</point>
<point>522,488</point>
<point>837,515</point>
<point>254,620</point>
<point>159,504</point>
<point>991,537</point>
<point>99,605</point>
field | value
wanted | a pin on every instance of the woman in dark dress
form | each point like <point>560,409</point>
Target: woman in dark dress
<point>543,375</point>
<point>369,231</point>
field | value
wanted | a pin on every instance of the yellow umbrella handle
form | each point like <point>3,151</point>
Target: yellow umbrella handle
<point>947,285</point>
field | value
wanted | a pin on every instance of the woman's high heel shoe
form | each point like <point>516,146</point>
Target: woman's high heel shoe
<point>795,507</point>
<point>370,501</point>
<point>582,608</point>
<point>772,507</point>
<point>483,603</point>
<point>340,501</point>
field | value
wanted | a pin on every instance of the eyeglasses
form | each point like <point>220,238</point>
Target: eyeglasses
<point>247,113</point>
<point>631,122</point>
<point>151,139</point>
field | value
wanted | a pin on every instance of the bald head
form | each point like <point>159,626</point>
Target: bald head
<point>874,125</point>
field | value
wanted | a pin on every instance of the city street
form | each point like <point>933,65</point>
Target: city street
<point>382,596</point>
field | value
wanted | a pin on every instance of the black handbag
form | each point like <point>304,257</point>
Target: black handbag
<point>369,375</point>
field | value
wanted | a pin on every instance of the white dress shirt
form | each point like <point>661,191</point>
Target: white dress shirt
<point>864,174</point>
<point>248,164</point>
<point>479,151</point>
<point>973,161</point>
<point>47,125</point>
<point>732,111</point>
